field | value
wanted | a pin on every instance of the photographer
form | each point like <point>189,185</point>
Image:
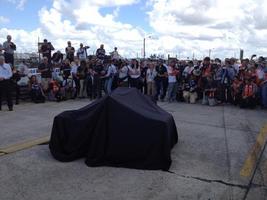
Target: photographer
<point>45,69</point>
<point>100,52</point>
<point>9,48</point>
<point>46,50</point>
<point>57,58</point>
<point>82,52</point>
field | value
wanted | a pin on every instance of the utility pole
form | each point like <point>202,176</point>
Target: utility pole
<point>144,48</point>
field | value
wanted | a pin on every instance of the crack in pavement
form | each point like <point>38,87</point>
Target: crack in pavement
<point>243,187</point>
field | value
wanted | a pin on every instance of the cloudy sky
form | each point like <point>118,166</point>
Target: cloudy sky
<point>176,27</point>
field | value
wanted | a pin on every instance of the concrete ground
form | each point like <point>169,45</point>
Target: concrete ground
<point>214,146</point>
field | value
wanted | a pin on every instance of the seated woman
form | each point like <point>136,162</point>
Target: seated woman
<point>36,91</point>
<point>68,89</point>
<point>55,91</point>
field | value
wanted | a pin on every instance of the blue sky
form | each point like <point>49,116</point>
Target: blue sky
<point>184,26</point>
<point>28,19</point>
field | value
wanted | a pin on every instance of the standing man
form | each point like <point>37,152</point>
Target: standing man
<point>9,48</point>
<point>114,54</point>
<point>5,83</point>
<point>161,81</point>
<point>82,52</point>
<point>46,50</point>
<point>101,52</point>
<point>70,52</point>
<point>45,69</point>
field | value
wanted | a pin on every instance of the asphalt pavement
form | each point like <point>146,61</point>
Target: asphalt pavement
<point>220,155</point>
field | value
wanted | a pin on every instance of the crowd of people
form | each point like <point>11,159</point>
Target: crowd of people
<point>211,82</point>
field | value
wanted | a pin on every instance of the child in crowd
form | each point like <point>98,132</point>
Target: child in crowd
<point>236,91</point>
<point>248,94</point>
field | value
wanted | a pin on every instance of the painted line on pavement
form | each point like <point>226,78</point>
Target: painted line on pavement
<point>254,153</point>
<point>24,145</point>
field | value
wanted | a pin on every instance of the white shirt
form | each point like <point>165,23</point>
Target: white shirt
<point>124,72</point>
<point>171,78</point>
<point>188,70</point>
<point>111,70</point>
<point>82,53</point>
<point>151,74</point>
<point>23,69</point>
<point>134,73</point>
<point>74,69</point>
<point>5,71</point>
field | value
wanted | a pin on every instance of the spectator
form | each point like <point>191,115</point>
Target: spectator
<point>123,75</point>
<point>14,80</point>
<point>189,89</point>
<point>143,81</point>
<point>23,69</point>
<point>90,83</point>
<point>110,77</point>
<point>57,58</point>
<point>264,87</point>
<point>70,52</point>
<point>100,52</point>
<point>150,77</point>
<point>46,49</point>
<point>248,94</point>
<point>66,69</point>
<point>5,83</point>
<point>82,52</point>
<point>45,69</point>
<point>99,73</point>
<point>81,73</point>
<point>9,48</point>
<point>236,90</point>
<point>36,91</point>
<point>172,82</point>
<point>114,54</point>
<point>161,81</point>
<point>188,70</point>
<point>135,73</point>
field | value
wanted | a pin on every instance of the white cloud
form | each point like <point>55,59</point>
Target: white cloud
<point>182,27</point>
<point>4,20</point>
<point>222,25</point>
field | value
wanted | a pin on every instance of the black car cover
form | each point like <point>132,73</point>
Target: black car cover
<point>124,129</point>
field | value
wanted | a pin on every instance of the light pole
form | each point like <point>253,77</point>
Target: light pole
<point>144,47</point>
<point>144,44</point>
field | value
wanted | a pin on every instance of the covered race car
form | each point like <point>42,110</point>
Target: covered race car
<point>124,129</point>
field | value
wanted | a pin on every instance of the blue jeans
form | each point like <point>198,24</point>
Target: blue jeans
<point>108,85</point>
<point>172,89</point>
